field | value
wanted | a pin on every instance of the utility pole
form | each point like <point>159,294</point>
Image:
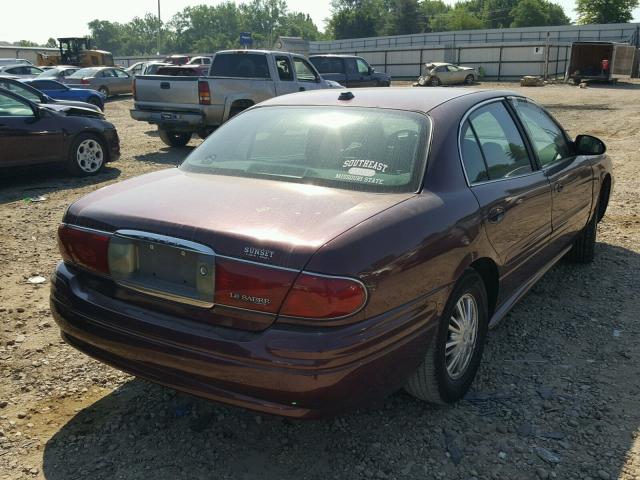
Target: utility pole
<point>159,27</point>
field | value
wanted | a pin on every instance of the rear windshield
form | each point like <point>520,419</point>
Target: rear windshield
<point>328,64</point>
<point>84,72</point>
<point>350,148</point>
<point>247,65</point>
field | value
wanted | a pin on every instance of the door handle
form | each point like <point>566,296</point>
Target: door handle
<point>558,187</point>
<point>496,215</point>
<point>301,89</point>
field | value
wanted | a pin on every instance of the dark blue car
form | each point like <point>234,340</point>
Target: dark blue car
<point>59,91</point>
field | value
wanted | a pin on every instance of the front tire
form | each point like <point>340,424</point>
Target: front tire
<point>469,80</point>
<point>583,249</point>
<point>87,155</point>
<point>174,139</point>
<point>455,351</point>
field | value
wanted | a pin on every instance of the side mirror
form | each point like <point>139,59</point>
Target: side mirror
<point>589,145</point>
<point>371,70</point>
<point>318,79</point>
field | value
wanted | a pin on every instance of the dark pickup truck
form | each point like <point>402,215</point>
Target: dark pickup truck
<point>349,71</point>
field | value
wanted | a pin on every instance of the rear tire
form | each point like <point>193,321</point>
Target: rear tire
<point>439,379</point>
<point>435,81</point>
<point>104,90</point>
<point>174,139</point>
<point>87,155</point>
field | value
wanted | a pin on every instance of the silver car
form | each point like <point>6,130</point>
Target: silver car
<point>436,73</point>
<point>21,70</point>
<point>14,61</point>
<point>108,80</point>
<point>145,68</point>
<point>58,73</point>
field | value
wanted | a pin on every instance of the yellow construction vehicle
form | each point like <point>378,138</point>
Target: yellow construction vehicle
<point>76,51</point>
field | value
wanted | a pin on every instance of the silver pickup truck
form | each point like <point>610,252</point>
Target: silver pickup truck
<point>238,79</point>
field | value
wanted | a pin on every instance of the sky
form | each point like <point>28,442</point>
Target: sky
<point>69,18</point>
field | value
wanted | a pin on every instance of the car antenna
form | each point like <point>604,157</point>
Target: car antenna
<point>346,96</point>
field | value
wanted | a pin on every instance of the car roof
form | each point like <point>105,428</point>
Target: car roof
<point>409,98</point>
<point>337,55</point>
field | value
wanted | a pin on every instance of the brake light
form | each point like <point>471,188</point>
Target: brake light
<point>323,297</point>
<point>84,248</point>
<point>245,285</point>
<point>84,81</point>
<point>133,89</point>
<point>204,94</point>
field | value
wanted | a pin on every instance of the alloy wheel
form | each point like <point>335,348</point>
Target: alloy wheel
<point>461,336</point>
<point>90,155</point>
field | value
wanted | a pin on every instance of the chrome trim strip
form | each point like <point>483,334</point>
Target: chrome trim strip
<point>276,267</point>
<point>166,295</point>
<point>464,119</point>
<point>165,240</point>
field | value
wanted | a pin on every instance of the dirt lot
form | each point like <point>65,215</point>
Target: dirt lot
<point>556,397</point>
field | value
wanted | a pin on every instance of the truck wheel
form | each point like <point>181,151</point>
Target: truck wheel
<point>174,139</point>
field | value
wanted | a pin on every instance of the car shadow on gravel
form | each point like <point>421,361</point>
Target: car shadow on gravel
<point>556,397</point>
<point>31,183</point>
<point>166,156</point>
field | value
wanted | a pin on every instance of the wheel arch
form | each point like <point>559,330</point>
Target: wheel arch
<point>488,271</point>
<point>238,104</point>
<point>603,197</point>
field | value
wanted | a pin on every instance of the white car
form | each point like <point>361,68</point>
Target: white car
<point>23,71</point>
<point>14,61</point>
<point>436,73</point>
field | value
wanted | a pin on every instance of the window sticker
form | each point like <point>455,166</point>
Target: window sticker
<point>377,166</point>
<point>359,178</point>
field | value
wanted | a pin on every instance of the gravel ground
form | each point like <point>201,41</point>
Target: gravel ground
<point>556,396</point>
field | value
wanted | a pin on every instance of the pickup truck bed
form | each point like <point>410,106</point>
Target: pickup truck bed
<point>181,106</point>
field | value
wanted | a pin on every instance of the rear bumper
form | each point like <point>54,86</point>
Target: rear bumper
<point>283,370</point>
<point>189,121</point>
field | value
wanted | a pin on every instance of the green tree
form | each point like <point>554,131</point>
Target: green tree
<point>404,17</point>
<point>26,43</point>
<point>357,18</point>
<point>52,42</point>
<point>534,13</point>
<point>431,11</point>
<point>459,18</point>
<point>605,11</point>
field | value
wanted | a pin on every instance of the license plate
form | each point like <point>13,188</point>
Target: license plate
<point>163,266</point>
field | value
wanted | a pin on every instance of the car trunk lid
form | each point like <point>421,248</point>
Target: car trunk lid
<point>190,225</point>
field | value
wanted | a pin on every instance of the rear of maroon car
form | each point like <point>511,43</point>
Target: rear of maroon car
<point>210,280</point>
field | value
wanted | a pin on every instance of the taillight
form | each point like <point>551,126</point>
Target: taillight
<point>84,248</point>
<point>245,285</point>
<point>133,89</point>
<point>84,81</point>
<point>204,94</point>
<point>324,297</point>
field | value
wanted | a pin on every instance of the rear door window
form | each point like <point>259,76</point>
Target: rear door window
<point>502,145</point>
<point>472,157</point>
<point>240,65</point>
<point>285,72</point>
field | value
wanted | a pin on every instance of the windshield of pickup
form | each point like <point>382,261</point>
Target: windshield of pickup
<point>240,65</point>
<point>350,148</point>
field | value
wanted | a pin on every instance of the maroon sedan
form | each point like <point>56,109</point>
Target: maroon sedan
<point>326,248</point>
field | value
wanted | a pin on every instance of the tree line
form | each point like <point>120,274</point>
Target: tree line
<point>207,28</point>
